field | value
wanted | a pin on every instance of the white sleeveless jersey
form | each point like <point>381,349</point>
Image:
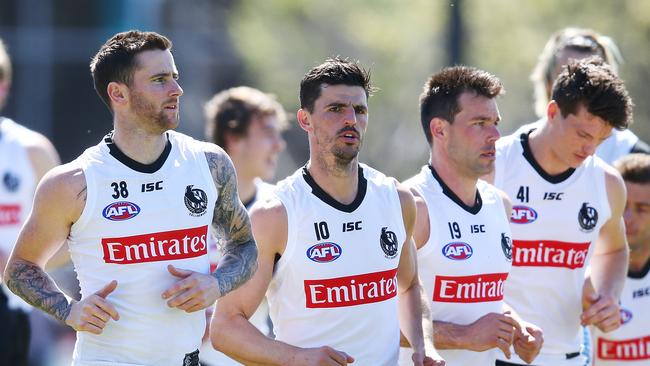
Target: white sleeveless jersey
<point>619,144</point>
<point>260,318</point>
<point>138,219</point>
<point>554,221</point>
<point>629,344</point>
<point>16,190</point>
<point>336,282</point>
<point>465,262</point>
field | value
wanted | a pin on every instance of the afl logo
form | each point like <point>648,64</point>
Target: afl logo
<point>626,316</point>
<point>587,218</point>
<point>457,251</point>
<point>523,215</point>
<point>120,211</point>
<point>324,252</point>
<point>196,201</point>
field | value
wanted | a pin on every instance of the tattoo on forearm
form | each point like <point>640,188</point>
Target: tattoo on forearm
<point>232,227</point>
<point>30,282</point>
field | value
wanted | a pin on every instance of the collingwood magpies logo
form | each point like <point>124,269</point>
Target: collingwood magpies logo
<point>587,218</point>
<point>506,246</point>
<point>388,242</point>
<point>10,181</point>
<point>196,200</point>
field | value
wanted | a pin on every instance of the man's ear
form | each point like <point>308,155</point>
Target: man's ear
<point>438,128</point>
<point>118,93</point>
<point>304,119</point>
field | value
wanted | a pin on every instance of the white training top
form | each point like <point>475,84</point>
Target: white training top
<point>619,144</point>
<point>629,344</point>
<point>465,262</point>
<point>336,282</point>
<point>138,219</point>
<point>17,186</point>
<point>554,221</point>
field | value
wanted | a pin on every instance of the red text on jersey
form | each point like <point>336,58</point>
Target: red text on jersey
<point>549,253</point>
<point>162,246</point>
<point>625,350</point>
<point>9,214</point>
<point>351,290</point>
<point>476,288</point>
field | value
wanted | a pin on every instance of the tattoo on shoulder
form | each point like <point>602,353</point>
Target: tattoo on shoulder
<point>31,283</point>
<point>231,226</point>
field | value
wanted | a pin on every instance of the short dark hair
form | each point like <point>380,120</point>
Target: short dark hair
<point>634,168</point>
<point>580,40</point>
<point>593,84</point>
<point>442,90</point>
<point>334,71</point>
<point>231,112</point>
<point>116,59</point>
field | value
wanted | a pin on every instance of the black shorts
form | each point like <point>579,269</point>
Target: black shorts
<point>14,334</point>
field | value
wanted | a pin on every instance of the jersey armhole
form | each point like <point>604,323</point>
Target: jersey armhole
<point>91,195</point>
<point>289,248</point>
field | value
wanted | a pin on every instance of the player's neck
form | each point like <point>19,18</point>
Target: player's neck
<point>246,188</point>
<point>138,145</point>
<point>463,185</point>
<point>341,183</point>
<point>639,258</point>
<point>540,142</point>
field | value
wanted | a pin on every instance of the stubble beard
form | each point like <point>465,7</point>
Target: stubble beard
<point>157,120</point>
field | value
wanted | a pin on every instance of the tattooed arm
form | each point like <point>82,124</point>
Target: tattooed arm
<point>232,226</point>
<point>195,291</point>
<point>59,201</point>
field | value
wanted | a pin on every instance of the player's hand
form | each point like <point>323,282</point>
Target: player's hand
<point>428,360</point>
<point>493,330</point>
<point>603,312</point>
<point>93,313</point>
<point>528,341</point>
<point>193,292</point>
<point>320,356</point>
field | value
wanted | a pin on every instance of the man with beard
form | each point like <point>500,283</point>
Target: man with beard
<point>335,247</point>
<point>462,231</point>
<point>135,210</point>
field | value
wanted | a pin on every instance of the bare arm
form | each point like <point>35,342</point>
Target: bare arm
<point>609,261</point>
<point>414,314</point>
<point>232,226</point>
<point>230,330</point>
<point>59,201</point>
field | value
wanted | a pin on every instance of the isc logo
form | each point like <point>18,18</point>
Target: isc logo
<point>324,252</point>
<point>120,211</point>
<point>523,215</point>
<point>626,316</point>
<point>458,251</point>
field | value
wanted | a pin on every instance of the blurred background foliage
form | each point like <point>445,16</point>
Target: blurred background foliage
<point>271,44</point>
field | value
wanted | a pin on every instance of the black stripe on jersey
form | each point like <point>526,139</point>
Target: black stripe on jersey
<point>478,203</point>
<point>528,155</point>
<point>135,165</point>
<point>317,191</point>
<point>640,147</point>
<point>642,273</point>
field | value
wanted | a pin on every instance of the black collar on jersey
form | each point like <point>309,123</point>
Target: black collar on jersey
<point>642,273</point>
<point>478,203</point>
<point>135,165</point>
<point>249,203</point>
<point>317,191</point>
<point>528,155</point>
